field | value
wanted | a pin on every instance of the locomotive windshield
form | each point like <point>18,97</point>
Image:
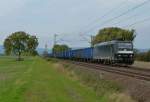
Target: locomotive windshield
<point>125,46</point>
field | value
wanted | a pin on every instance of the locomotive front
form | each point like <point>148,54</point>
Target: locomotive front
<point>125,52</point>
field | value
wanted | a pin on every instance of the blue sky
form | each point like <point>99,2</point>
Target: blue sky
<point>69,19</point>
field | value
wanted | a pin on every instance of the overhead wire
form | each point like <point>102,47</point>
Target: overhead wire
<point>96,20</point>
<point>122,14</point>
<point>107,13</point>
<point>138,22</point>
<point>114,18</point>
<point>126,19</point>
<point>69,41</point>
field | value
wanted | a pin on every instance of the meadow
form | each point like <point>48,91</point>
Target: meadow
<point>37,80</point>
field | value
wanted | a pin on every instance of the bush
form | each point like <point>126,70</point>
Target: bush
<point>145,56</point>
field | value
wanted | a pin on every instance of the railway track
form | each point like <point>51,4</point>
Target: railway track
<point>142,74</point>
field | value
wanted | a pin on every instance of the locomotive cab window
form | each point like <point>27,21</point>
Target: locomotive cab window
<point>125,46</point>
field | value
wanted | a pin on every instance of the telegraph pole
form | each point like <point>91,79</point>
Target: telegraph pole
<point>45,53</point>
<point>46,48</point>
<point>55,42</point>
<point>92,39</point>
<point>55,39</point>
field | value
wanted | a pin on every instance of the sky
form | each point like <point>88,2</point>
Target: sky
<point>74,21</point>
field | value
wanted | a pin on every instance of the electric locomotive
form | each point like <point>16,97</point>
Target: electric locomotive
<point>114,52</point>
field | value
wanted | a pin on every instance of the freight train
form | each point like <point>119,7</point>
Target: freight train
<point>111,52</point>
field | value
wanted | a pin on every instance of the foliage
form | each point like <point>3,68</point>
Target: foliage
<point>59,48</point>
<point>8,46</point>
<point>19,43</point>
<point>32,45</point>
<point>114,33</point>
<point>144,56</point>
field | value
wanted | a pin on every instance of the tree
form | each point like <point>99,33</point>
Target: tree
<point>32,45</point>
<point>20,42</point>
<point>114,33</point>
<point>60,48</point>
<point>8,46</point>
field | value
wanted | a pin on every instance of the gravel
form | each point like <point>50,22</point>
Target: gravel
<point>142,64</point>
<point>138,89</point>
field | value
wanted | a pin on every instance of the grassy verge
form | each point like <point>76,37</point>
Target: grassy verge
<point>107,90</point>
<point>36,80</point>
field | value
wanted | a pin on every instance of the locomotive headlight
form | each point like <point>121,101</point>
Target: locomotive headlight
<point>131,55</point>
<point>119,55</point>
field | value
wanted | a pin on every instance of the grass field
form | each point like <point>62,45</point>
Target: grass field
<point>36,80</point>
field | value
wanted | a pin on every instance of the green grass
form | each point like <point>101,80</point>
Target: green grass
<point>36,80</point>
<point>94,80</point>
<point>108,90</point>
